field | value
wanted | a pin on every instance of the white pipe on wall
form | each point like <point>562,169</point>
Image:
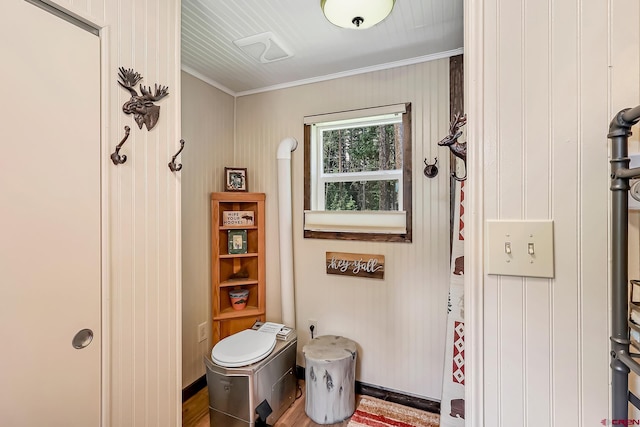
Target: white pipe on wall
<point>285,148</point>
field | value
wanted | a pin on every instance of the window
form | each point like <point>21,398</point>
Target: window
<point>358,174</point>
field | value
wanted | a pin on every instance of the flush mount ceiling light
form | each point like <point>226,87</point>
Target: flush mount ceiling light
<point>356,14</point>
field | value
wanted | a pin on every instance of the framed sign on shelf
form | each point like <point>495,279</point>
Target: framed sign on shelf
<point>233,218</point>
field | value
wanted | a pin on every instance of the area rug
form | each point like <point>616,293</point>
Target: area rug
<point>372,412</point>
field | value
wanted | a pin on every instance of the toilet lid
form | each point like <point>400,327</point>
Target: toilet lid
<point>244,348</point>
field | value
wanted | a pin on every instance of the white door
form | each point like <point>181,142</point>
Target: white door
<point>50,219</point>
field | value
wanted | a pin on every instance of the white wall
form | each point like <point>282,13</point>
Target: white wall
<point>207,127</point>
<point>142,296</point>
<point>399,322</point>
<point>544,79</point>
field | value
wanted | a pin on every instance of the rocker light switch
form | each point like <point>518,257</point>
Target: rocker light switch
<point>520,248</point>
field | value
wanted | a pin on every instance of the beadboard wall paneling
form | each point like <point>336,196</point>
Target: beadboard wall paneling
<point>142,295</point>
<point>207,127</point>
<point>552,75</point>
<point>399,323</point>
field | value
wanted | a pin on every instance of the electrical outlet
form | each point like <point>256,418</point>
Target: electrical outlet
<point>313,327</point>
<point>202,332</point>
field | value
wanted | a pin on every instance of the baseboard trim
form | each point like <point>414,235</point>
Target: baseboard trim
<point>398,397</point>
<point>389,395</point>
<point>193,388</point>
<point>300,372</point>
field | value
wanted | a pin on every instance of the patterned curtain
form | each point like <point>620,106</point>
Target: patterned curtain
<point>452,404</point>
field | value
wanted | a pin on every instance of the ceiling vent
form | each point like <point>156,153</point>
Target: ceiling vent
<point>265,47</point>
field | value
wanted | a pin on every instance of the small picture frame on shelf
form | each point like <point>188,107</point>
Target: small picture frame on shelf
<point>235,179</point>
<point>237,242</point>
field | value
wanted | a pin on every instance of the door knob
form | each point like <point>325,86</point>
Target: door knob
<point>82,339</point>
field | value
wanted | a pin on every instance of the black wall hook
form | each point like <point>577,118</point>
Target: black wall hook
<point>172,164</point>
<point>116,158</point>
<point>431,171</point>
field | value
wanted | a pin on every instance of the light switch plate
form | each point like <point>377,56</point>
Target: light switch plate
<point>509,244</point>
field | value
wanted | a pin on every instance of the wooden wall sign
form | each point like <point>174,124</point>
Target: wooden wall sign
<point>359,265</point>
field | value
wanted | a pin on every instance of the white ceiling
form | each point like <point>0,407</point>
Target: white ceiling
<point>416,31</point>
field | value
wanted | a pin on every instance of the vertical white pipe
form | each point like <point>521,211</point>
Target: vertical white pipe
<point>285,148</point>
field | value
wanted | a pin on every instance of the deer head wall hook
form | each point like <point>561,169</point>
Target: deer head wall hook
<point>141,106</point>
<point>459,149</point>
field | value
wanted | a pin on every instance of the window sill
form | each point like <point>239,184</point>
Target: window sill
<point>356,225</point>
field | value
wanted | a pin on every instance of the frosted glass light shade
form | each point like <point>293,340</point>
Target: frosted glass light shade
<point>356,14</point>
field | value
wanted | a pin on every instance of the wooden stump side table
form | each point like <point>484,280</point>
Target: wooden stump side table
<point>330,376</point>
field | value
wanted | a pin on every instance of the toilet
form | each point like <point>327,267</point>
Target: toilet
<point>251,376</point>
<point>243,348</point>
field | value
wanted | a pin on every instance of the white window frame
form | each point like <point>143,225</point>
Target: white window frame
<point>319,178</point>
<point>354,225</point>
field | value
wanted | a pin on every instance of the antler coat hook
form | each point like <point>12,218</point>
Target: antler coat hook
<point>459,149</point>
<point>141,106</point>
<point>172,164</point>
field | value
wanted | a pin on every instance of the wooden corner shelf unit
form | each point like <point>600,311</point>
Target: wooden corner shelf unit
<point>237,264</point>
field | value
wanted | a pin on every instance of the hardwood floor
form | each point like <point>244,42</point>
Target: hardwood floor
<point>195,412</point>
